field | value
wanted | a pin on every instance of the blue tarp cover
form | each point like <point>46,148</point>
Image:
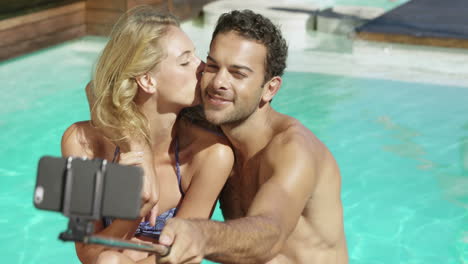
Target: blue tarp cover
<point>424,18</point>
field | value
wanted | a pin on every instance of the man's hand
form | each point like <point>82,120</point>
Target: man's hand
<point>186,240</point>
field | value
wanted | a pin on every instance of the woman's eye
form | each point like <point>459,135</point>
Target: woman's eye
<point>185,63</point>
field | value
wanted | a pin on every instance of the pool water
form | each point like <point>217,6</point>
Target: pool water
<point>402,148</point>
<point>399,146</point>
<point>401,143</point>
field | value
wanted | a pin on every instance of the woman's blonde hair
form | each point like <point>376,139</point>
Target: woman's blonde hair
<point>133,49</point>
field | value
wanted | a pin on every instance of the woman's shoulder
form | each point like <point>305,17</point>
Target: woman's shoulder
<point>205,142</point>
<point>201,133</point>
<point>83,139</point>
<point>80,131</point>
<point>192,121</point>
<point>211,155</point>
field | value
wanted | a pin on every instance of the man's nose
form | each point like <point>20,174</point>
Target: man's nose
<point>220,80</point>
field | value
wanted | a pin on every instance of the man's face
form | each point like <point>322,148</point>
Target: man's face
<point>233,80</point>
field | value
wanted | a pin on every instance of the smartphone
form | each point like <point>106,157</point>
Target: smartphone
<point>119,197</point>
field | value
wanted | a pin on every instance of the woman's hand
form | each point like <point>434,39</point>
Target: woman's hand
<point>150,191</point>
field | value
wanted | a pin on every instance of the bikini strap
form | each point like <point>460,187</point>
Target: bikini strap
<point>179,177</point>
<point>116,154</point>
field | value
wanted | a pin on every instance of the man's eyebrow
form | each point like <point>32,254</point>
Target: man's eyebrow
<point>240,67</point>
<point>211,59</point>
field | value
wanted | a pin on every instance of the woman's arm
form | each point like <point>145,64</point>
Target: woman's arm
<point>213,166</point>
<point>79,141</point>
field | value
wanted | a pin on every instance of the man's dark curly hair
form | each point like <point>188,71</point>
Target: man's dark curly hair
<point>259,28</point>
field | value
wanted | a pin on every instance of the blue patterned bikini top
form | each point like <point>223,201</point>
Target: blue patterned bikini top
<point>145,229</point>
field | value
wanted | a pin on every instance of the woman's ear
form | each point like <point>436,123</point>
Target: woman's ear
<point>271,88</point>
<point>147,82</point>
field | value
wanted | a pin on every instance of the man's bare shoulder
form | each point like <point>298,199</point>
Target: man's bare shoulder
<point>293,134</point>
<point>292,138</point>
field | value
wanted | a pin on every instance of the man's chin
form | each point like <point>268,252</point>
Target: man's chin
<point>213,119</point>
<point>212,116</point>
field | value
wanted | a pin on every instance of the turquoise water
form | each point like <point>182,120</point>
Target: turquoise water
<point>402,148</point>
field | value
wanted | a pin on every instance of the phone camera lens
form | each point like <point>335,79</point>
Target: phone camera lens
<point>39,195</point>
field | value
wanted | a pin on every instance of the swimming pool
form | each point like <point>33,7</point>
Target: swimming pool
<point>401,142</point>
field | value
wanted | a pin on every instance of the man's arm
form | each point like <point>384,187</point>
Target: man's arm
<point>271,218</point>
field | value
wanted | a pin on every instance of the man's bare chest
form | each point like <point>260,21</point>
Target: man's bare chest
<point>241,189</point>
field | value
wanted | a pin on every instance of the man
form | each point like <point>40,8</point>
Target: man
<point>282,204</point>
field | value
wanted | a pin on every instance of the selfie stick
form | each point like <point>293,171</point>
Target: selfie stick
<point>159,249</point>
<point>80,227</point>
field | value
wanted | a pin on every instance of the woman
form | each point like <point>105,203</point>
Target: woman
<point>146,75</point>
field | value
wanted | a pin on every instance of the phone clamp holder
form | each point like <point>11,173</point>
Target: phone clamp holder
<point>80,226</point>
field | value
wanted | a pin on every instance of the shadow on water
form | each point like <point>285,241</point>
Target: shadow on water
<point>455,183</point>
<point>452,178</point>
<point>406,146</point>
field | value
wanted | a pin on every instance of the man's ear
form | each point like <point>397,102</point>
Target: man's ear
<point>147,82</point>
<point>271,88</point>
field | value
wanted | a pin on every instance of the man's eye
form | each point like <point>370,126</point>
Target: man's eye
<point>185,63</point>
<point>239,75</point>
<point>211,67</point>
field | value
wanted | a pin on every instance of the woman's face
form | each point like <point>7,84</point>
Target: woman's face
<point>179,72</point>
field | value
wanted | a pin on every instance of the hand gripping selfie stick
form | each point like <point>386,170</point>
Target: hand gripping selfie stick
<point>81,227</point>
